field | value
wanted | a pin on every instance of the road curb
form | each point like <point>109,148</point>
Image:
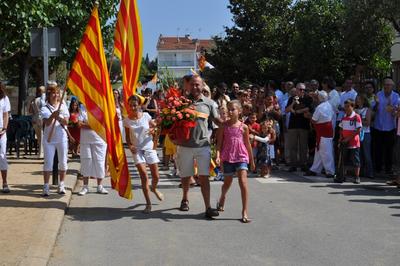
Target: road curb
<point>42,243</point>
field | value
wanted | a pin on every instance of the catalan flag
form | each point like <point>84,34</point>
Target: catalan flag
<point>128,46</point>
<point>89,81</point>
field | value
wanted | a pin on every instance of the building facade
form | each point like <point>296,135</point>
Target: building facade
<point>395,57</point>
<point>178,55</point>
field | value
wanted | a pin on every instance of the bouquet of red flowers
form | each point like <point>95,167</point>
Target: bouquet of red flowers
<point>177,115</point>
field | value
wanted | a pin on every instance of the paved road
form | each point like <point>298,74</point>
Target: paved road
<point>296,221</point>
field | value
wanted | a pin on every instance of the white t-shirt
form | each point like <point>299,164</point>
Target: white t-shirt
<point>334,99</point>
<point>363,113</point>
<point>5,107</point>
<point>346,95</point>
<point>59,134</point>
<point>139,132</point>
<point>88,136</point>
<point>323,113</point>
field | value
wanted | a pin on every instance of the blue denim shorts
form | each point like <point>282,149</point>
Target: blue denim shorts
<point>231,168</point>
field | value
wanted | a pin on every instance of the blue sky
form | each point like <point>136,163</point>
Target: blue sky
<point>199,18</point>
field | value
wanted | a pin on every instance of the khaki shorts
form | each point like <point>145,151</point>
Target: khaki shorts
<point>186,157</point>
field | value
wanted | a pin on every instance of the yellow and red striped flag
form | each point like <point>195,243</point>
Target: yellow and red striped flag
<point>128,46</point>
<point>89,81</point>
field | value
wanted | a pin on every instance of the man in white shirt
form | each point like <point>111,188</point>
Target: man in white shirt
<point>328,85</point>
<point>348,93</point>
<point>37,123</point>
<point>4,109</point>
<point>322,121</point>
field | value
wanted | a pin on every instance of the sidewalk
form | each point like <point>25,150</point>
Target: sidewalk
<point>29,223</point>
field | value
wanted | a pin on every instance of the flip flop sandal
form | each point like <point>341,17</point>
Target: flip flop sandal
<point>245,220</point>
<point>147,210</point>
<point>220,208</point>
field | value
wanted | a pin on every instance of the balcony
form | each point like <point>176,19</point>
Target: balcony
<point>176,64</point>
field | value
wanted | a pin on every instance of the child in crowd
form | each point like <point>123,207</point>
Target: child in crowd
<point>234,153</point>
<point>266,152</point>
<point>247,111</point>
<point>365,112</point>
<point>223,113</point>
<point>254,129</point>
<point>350,128</point>
<point>169,154</point>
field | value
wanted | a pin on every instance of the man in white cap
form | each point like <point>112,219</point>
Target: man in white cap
<point>322,121</point>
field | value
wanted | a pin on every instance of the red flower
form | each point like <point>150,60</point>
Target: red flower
<point>173,92</point>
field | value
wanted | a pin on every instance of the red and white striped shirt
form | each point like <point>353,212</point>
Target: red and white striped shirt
<point>349,125</point>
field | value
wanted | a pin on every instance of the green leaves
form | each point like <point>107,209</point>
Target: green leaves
<point>305,39</point>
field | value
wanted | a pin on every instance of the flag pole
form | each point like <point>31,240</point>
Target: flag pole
<point>58,109</point>
<point>111,62</point>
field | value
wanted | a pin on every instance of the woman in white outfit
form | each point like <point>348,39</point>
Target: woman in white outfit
<point>53,113</point>
<point>138,127</point>
<point>93,152</point>
<point>4,109</point>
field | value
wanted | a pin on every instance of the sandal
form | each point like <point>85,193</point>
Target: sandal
<point>220,207</point>
<point>147,210</point>
<point>184,206</point>
<point>158,194</point>
<point>393,183</point>
<point>245,220</point>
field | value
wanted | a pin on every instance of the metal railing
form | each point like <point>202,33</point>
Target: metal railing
<point>176,63</point>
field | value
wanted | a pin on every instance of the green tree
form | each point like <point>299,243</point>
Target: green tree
<point>316,46</point>
<point>17,17</point>
<point>305,39</point>
<point>256,47</point>
<point>368,35</point>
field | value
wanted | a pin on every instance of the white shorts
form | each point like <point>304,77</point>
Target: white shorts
<point>62,153</point>
<point>146,156</point>
<point>93,158</point>
<point>185,157</point>
<point>3,153</point>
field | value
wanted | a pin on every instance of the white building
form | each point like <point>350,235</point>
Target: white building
<point>396,59</point>
<point>178,55</point>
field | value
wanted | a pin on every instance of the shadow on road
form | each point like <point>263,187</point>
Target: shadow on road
<point>34,191</point>
<point>378,193</point>
<point>92,214</point>
<point>48,204</point>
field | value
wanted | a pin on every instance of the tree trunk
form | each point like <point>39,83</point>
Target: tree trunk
<point>24,65</point>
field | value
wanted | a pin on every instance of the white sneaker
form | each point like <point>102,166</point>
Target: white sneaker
<point>61,189</point>
<point>83,191</point>
<point>6,189</point>
<point>46,191</point>
<point>101,190</point>
<point>267,176</point>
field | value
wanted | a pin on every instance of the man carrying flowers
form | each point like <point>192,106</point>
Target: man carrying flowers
<point>195,147</point>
